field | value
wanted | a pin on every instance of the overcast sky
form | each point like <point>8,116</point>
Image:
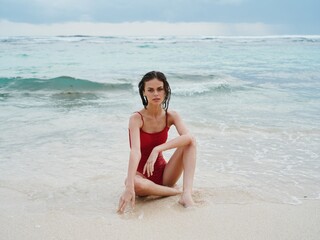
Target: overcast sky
<point>225,17</point>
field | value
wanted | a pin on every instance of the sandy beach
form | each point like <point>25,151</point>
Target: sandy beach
<point>160,219</point>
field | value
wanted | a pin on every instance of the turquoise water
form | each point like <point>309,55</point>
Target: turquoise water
<point>252,103</point>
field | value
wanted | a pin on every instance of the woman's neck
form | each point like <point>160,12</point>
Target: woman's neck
<point>154,111</point>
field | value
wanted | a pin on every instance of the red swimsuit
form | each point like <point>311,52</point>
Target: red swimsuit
<point>147,142</point>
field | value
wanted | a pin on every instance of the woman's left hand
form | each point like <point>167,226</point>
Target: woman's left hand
<point>149,166</point>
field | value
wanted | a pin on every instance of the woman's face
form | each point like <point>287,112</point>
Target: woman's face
<point>154,91</point>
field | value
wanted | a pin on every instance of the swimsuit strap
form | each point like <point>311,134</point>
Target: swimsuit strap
<point>141,118</point>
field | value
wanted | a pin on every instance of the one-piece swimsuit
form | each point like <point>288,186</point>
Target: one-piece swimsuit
<point>147,142</point>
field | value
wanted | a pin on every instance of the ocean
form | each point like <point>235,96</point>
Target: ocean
<point>253,104</point>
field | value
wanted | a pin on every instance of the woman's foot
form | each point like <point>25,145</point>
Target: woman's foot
<point>186,200</point>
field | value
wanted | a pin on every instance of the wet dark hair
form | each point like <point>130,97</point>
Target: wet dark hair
<point>161,77</point>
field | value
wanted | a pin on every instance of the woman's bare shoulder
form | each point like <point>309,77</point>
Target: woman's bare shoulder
<point>172,116</point>
<point>135,119</point>
<point>172,113</point>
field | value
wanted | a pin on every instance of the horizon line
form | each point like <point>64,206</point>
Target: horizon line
<point>138,28</point>
<point>172,36</point>
<point>146,28</point>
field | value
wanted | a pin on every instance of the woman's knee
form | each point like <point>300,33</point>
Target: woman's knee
<point>193,141</point>
<point>140,186</point>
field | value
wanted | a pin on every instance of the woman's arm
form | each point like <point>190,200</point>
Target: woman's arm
<point>135,155</point>
<point>183,139</point>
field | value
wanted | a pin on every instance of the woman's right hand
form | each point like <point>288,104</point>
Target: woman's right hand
<point>127,196</point>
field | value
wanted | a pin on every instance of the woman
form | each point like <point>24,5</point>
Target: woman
<point>148,172</point>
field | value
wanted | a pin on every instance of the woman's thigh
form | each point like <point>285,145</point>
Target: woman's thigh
<point>174,168</point>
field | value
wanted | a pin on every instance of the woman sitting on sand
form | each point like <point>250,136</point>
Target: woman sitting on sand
<point>148,172</point>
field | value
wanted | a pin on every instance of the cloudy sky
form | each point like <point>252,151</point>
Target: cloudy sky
<point>208,17</point>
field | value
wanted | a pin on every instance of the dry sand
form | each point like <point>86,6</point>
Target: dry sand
<point>160,219</point>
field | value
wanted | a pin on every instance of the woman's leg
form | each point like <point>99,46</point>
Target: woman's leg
<point>183,160</point>
<point>145,187</point>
